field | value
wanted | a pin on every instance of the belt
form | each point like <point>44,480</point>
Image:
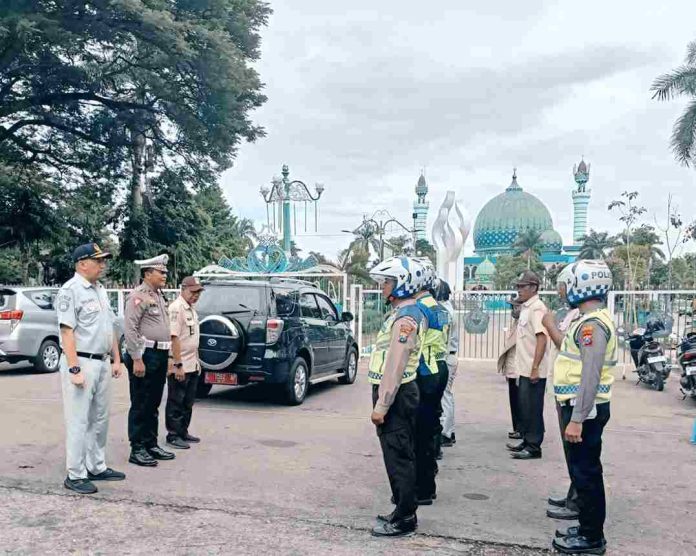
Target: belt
<point>163,346</point>
<point>102,356</point>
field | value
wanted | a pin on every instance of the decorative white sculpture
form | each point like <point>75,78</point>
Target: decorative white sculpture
<point>449,241</point>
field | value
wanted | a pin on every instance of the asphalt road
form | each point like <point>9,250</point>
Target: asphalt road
<point>293,480</point>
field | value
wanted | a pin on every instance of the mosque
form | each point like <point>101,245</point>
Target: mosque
<point>508,215</point>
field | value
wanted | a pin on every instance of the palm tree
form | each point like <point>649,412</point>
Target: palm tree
<point>243,228</point>
<point>596,244</point>
<point>528,244</point>
<point>681,82</point>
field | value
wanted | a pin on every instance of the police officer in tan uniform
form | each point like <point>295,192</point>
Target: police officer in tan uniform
<point>147,343</point>
<point>185,370</point>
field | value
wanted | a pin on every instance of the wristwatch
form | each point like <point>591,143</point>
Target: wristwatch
<point>74,370</point>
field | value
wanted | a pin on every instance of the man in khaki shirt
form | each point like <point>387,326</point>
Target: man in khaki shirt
<point>185,369</point>
<point>532,363</point>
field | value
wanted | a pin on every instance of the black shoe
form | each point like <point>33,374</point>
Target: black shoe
<point>178,443</point>
<point>571,531</point>
<point>108,475</point>
<point>526,454</point>
<point>158,453</point>
<point>562,513</point>
<point>558,501</point>
<point>580,545</point>
<point>190,438</point>
<point>446,442</point>
<point>388,518</point>
<point>141,457</point>
<point>400,527</point>
<point>516,447</point>
<point>81,486</point>
<point>515,435</point>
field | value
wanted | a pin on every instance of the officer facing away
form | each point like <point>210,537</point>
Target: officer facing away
<point>582,385</point>
<point>392,373</point>
<point>90,359</point>
<point>147,342</point>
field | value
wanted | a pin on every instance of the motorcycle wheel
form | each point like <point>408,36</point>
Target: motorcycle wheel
<point>659,382</point>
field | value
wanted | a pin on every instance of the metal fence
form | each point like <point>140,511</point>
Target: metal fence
<point>482,317</point>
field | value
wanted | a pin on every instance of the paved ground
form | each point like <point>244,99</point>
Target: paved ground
<point>285,480</point>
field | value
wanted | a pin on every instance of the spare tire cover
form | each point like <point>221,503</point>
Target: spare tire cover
<point>221,342</point>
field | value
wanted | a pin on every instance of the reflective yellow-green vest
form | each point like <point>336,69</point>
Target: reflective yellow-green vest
<point>436,337</point>
<point>378,357</point>
<point>567,372</point>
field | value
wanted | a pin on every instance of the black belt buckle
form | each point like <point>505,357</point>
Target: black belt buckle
<point>91,355</point>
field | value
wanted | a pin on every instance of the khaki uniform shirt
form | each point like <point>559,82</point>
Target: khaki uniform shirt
<point>398,356</point>
<point>183,323</point>
<point>145,318</point>
<point>85,308</point>
<point>528,326</point>
<point>506,361</point>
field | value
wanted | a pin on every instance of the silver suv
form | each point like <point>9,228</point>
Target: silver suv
<point>29,326</point>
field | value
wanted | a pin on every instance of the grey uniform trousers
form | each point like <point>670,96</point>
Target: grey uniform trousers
<point>86,412</point>
<point>447,419</point>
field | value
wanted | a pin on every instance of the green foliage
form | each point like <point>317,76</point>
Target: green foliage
<point>509,267</point>
<point>10,266</point>
<point>425,249</point>
<point>528,244</point>
<point>80,80</point>
<point>681,82</point>
<point>595,245</point>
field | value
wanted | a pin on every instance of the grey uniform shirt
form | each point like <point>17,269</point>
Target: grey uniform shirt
<point>592,354</point>
<point>85,308</point>
<point>145,318</point>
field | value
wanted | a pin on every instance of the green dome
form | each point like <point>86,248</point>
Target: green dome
<point>506,216</point>
<point>551,242</point>
<point>485,270</point>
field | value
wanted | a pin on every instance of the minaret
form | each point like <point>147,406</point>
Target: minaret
<point>420,209</point>
<point>581,201</point>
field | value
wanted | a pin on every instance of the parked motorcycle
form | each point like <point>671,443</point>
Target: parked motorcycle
<point>686,355</point>
<point>648,356</point>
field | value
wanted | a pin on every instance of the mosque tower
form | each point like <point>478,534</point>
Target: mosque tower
<point>581,201</point>
<point>420,209</point>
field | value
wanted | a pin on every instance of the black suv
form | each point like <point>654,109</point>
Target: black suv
<point>282,333</point>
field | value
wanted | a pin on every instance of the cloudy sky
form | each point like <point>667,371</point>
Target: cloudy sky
<point>364,94</point>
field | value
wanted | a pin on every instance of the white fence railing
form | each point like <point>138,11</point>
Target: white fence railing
<point>483,316</point>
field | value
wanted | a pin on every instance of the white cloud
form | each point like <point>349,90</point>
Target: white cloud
<point>362,98</point>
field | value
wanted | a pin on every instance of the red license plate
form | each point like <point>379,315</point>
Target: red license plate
<point>221,378</point>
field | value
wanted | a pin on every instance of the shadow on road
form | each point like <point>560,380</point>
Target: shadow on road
<point>256,395</point>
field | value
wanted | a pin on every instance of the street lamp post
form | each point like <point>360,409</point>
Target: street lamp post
<point>379,221</point>
<point>284,192</point>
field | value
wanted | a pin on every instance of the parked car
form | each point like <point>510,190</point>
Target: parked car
<point>29,327</point>
<point>286,334</point>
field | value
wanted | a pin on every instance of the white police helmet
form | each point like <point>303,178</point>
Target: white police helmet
<point>585,280</point>
<point>407,273</point>
<point>430,279</point>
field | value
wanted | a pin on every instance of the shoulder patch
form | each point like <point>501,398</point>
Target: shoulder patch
<point>586,333</point>
<point>406,328</point>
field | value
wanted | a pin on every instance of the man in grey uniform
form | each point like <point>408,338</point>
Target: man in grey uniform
<point>87,338</point>
<point>148,344</point>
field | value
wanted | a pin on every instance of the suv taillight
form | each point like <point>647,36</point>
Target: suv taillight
<point>274,328</point>
<point>13,316</point>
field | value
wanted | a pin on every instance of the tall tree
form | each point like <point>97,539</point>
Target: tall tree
<point>596,245</point>
<point>509,267</point>
<point>528,244</point>
<point>681,82</point>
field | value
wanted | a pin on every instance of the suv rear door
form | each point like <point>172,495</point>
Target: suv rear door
<point>317,331</point>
